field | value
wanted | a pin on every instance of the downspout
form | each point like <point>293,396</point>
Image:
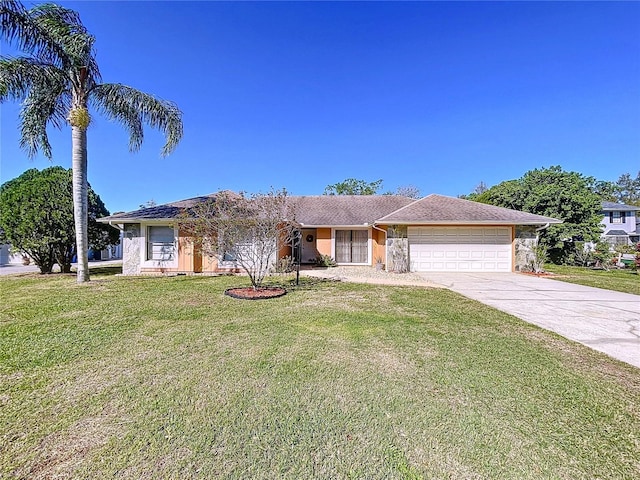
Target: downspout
<point>117,225</point>
<point>538,230</point>
<point>386,262</point>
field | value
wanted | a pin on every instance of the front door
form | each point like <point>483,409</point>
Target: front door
<point>309,252</point>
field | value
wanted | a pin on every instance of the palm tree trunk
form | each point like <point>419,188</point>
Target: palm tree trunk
<point>80,200</point>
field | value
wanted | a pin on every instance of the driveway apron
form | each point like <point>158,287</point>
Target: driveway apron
<point>604,320</point>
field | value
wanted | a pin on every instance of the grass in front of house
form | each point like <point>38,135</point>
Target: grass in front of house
<point>169,378</point>
<point>623,280</point>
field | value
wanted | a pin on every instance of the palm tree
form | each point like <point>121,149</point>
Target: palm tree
<point>57,82</point>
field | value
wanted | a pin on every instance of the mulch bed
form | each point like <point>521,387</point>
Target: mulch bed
<point>249,293</point>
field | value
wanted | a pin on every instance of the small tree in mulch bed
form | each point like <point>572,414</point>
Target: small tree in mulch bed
<point>246,230</point>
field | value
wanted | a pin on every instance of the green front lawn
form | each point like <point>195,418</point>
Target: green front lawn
<point>168,378</point>
<point>625,280</point>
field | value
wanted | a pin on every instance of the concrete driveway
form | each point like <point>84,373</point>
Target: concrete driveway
<point>604,320</point>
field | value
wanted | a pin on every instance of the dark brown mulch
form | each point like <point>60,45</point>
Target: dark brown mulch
<point>249,293</point>
<point>539,274</point>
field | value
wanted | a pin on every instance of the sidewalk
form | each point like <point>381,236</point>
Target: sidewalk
<point>369,275</point>
<point>13,269</point>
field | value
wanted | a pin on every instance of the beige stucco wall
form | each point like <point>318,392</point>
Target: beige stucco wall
<point>323,241</point>
<point>379,244</point>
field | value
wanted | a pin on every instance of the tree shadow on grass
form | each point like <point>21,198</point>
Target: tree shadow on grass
<point>106,271</point>
<point>305,283</point>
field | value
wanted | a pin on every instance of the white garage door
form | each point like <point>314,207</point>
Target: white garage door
<point>460,249</point>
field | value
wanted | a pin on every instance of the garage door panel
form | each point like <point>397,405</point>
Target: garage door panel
<point>460,248</point>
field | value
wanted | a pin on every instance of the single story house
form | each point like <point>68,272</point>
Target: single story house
<point>621,225</point>
<point>432,234</point>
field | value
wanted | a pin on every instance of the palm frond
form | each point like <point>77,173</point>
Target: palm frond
<point>132,108</point>
<point>43,90</point>
<point>42,107</point>
<point>18,75</point>
<point>51,34</point>
<point>65,29</point>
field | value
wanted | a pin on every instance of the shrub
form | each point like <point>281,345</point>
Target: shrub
<point>285,265</point>
<point>603,255</point>
<point>325,261</point>
<point>539,258</point>
<point>582,255</point>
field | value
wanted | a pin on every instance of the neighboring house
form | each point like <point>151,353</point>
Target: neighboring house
<point>432,234</point>
<point>620,223</point>
<point>112,252</point>
<point>6,257</point>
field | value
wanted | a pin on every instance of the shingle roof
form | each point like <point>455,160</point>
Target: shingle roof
<point>314,210</point>
<point>159,212</point>
<point>439,209</point>
<point>617,233</point>
<point>619,207</point>
<point>337,210</point>
<point>352,210</point>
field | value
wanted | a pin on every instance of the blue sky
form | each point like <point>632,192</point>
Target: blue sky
<point>439,95</point>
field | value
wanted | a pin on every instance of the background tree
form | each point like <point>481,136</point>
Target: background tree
<point>410,191</point>
<point>552,192</point>
<point>148,204</point>
<point>245,230</point>
<point>36,216</point>
<point>627,189</point>
<point>480,189</point>
<point>57,82</point>
<point>353,186</point>
<point>606,190</point>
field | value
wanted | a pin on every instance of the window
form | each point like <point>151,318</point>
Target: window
<point>617,239</point>
<point>617,217</point>
<point>352,246</point>
<point>160,243</point>
<point>228,256</point>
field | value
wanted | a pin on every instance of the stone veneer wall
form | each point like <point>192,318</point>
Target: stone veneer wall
<point>526,239</point>
<point>131,244</point>
<point>397,249</point>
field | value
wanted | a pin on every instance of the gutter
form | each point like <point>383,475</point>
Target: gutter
<point>432,223</point>
<point>117,225</point>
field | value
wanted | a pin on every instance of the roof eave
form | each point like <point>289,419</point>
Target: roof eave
<point>465,222</point>
<point>356,225</point>
<point>135,220</point>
